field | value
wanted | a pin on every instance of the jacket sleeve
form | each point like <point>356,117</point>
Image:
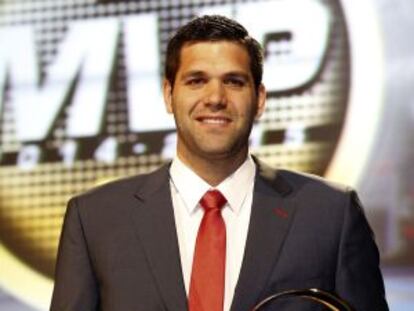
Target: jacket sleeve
<point>75,283</point>
<point>358,276</point>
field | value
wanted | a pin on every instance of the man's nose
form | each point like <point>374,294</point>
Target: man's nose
<point>216,94</point>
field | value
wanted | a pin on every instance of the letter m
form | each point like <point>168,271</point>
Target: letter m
<point>85,56</point>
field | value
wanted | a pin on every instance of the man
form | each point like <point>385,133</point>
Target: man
<point>215,229</point>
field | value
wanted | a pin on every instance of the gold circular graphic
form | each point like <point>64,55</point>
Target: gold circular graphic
<point>299,130</point>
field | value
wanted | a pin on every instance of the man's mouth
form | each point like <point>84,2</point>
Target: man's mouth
<point>214,120</point>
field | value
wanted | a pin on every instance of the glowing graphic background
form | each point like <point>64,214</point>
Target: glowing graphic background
<point>328,102</point>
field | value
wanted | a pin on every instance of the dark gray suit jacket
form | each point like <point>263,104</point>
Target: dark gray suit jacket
<point>119,248</point>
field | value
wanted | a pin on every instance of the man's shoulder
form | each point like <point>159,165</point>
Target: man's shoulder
<point>295,182</point>
<point>311,193</point>
<point>312,180</point>
<point>124,187</point>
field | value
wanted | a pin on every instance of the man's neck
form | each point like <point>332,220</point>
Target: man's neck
<point>214,171</point>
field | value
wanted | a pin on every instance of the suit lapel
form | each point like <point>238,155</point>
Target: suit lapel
<point>155,227</point>
<point>272,213</point>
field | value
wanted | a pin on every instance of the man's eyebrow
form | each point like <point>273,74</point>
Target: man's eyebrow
<point>237,74</point>
<point>193,73</point>
<point>231,74</point>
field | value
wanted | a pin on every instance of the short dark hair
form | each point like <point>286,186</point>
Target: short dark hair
<point>213,28</point>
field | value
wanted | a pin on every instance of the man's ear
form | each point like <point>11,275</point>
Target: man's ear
<point>261,101</point>
<point>167,93</point>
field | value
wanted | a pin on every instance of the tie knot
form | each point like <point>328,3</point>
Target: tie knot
<point>213,199</point>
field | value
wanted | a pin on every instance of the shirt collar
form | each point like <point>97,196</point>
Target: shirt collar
<point>191,187</point>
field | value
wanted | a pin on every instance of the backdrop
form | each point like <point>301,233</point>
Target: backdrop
<point>81,104</point>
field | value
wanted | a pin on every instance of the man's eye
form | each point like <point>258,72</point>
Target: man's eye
<point>235,82</point>
<point>195,81</point>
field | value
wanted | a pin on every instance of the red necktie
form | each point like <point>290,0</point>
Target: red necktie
<point>207,276</point>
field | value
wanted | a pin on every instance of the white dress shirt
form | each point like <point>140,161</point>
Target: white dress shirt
<point>187,188</point>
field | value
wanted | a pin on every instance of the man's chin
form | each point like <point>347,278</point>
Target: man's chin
<point>215,154</point>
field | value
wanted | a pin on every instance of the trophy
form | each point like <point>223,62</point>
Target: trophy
<point>320,297</point>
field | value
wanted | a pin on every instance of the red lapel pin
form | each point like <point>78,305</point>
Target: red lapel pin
<point>280,212</point>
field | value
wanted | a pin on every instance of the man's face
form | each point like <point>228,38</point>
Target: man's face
<point>213,100</point>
